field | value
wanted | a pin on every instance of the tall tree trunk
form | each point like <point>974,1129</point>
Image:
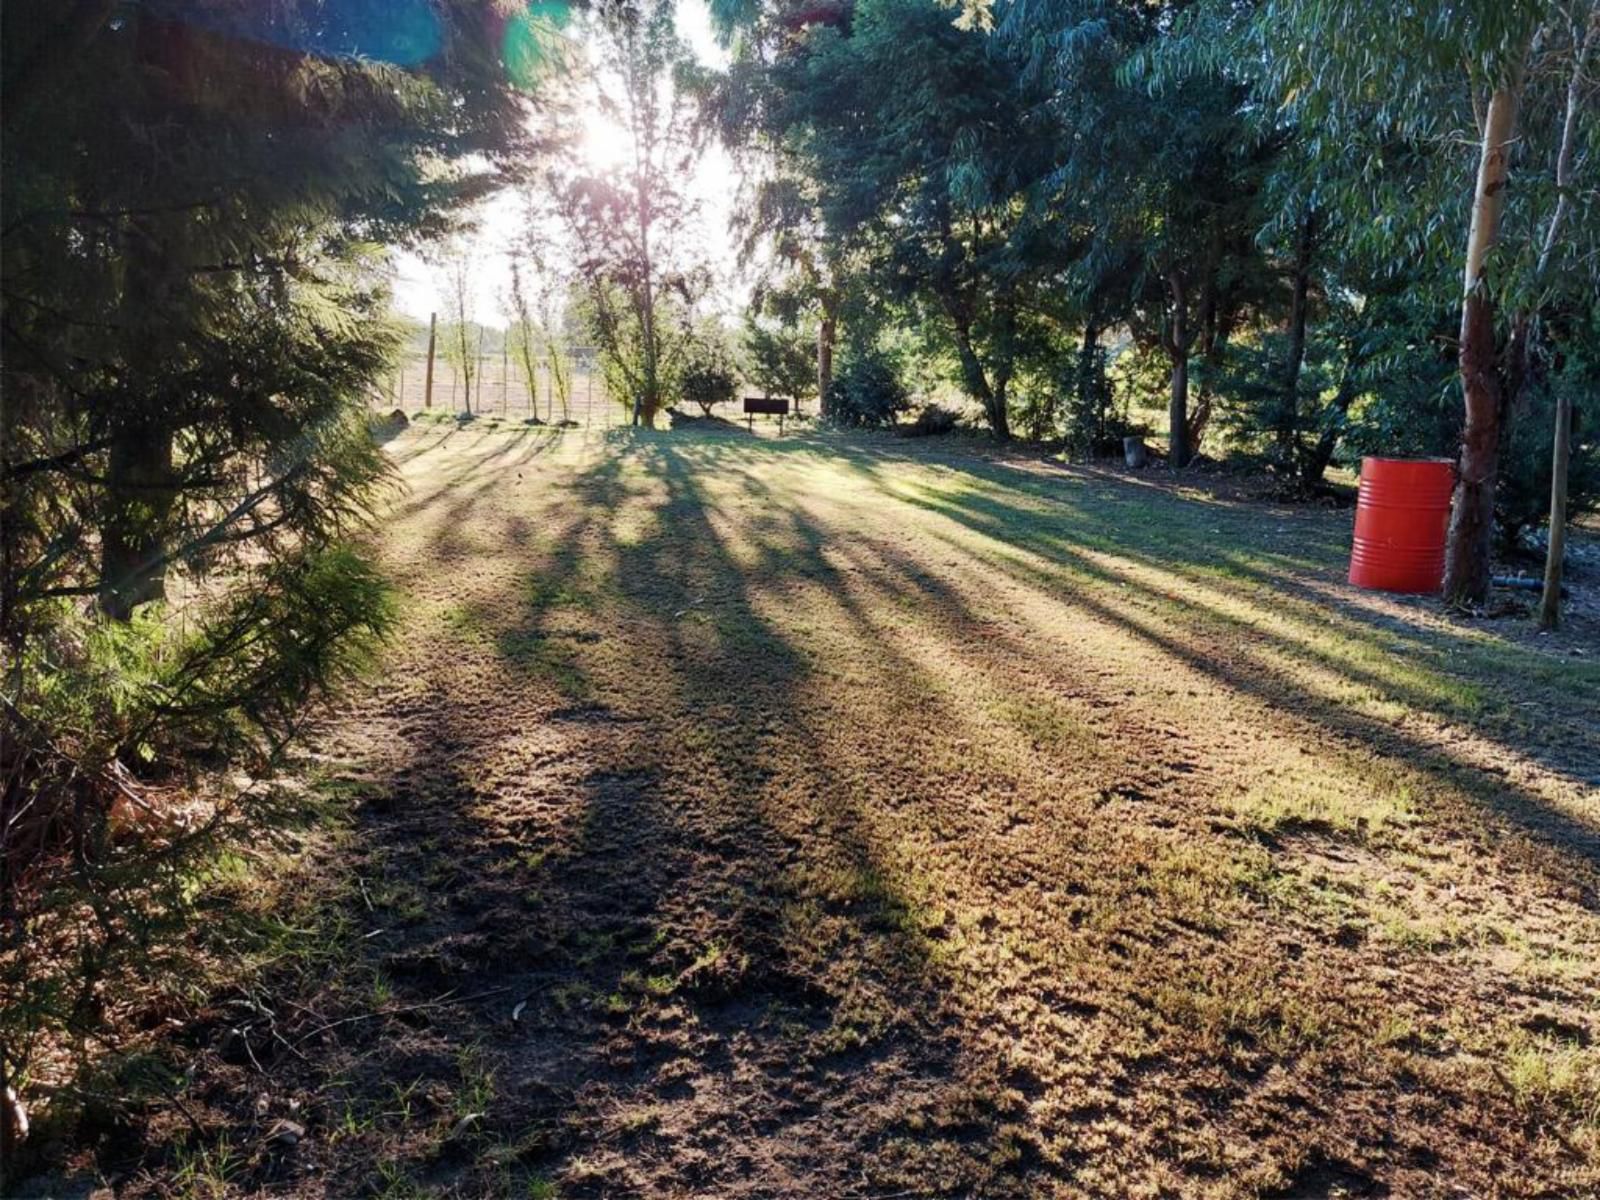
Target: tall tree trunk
<point>481,371</point>
<point>427,384</point>
<point>1089,391</point>
<point>826,330</point>
<point>645,397</point>
<point>139,497</point>
<point>1315,464</point>
<point>648,398</point>
<point>1466,573</point>
<point>1177,339</point>
<point>978,384</point>
<point>1561,455</point>
<point>1294,362</point>
<point>999,417</point>
<point>977,380</point>
<point>1178,411</point>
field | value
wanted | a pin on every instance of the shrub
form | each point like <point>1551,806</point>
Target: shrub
<point>782,361</point>
<point>708,376</point>
<point>867,392</point>
<point>119,742</point>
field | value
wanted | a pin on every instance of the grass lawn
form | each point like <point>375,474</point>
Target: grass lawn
<point>845,817</point>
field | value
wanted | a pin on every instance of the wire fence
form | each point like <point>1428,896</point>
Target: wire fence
<point>499,388</point>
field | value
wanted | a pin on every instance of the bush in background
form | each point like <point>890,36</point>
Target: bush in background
<point>707,375</point>
<point>867,392</point>
<point>780,361</point>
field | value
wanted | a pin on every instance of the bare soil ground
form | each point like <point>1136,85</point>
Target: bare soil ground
<point>849,817</point>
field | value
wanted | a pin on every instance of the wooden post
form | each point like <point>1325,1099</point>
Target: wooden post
<point>427,387</point>
<point>505,371</point>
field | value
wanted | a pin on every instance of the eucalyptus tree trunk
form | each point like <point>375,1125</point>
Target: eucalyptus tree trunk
<point>1294,362</point>
<point>1177,340</point>
<point>1466,575</point>
<point>1550,601</point>
<point>1561,454</point>
<point>647,396</point>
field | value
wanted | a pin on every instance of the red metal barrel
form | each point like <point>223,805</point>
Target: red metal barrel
<point>1401,517</point>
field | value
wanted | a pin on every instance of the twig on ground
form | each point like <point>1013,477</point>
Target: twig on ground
<point>444,1001</point>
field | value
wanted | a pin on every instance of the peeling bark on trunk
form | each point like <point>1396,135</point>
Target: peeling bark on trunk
<point>1467,576</point>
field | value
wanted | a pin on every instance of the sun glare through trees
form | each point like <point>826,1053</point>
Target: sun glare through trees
<point>858,599</point>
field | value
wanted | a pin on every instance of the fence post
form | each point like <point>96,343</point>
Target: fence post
<point>427,392</point>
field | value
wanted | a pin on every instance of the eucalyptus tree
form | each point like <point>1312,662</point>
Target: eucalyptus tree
<point>923,144</point>
<point>628,222</point>
<point>804,268</point>
<point>537,337</point>
<point>1490,90</point>
<point>1155,192</point>
<point>461,332</point>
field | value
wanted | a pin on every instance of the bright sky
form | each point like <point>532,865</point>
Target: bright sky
<point>419,286</point>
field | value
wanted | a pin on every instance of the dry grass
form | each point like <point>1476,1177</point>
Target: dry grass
<point>856,819</point>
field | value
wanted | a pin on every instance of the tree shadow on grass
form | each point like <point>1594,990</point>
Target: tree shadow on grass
<point>625,881</point>
<point>643,795</point>
<point>1254,661</point>
<point>1074,535</point>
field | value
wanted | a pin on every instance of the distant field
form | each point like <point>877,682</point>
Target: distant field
<point>854,817</point>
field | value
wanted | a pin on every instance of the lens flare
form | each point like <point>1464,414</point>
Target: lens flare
<point>534,43</point>
<point>405,33</point>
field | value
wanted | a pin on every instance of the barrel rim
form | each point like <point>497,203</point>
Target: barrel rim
<point>1379,458</point>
